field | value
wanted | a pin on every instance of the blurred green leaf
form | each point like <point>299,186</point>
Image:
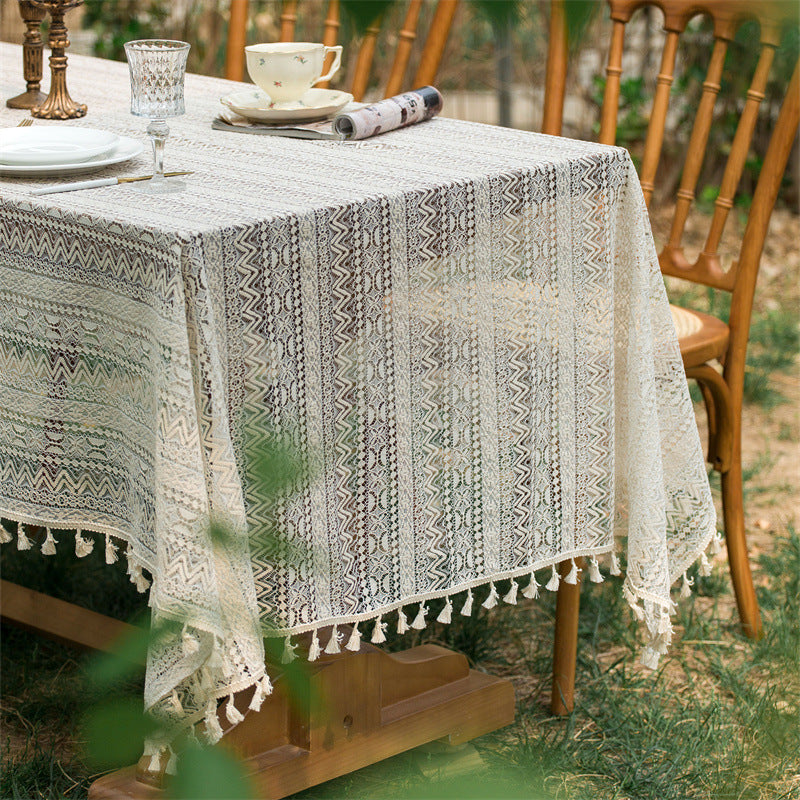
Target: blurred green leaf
<point>209,774</point>
<point>363,13</point>
<point>499,13</point>
<point>578,15</point>
<point>114,732</point>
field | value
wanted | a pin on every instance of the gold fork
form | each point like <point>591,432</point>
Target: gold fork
<point>25,122</point>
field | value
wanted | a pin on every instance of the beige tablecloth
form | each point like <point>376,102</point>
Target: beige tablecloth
<point>461,330</point>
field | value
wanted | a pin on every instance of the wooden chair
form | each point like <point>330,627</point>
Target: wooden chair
<point>429,60</point>
<point>705,341</point>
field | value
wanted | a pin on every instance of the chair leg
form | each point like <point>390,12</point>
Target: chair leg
<point>733,514</point>
<point>565,645</point>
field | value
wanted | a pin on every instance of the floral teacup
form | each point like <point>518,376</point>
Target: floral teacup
<point>287,70</point>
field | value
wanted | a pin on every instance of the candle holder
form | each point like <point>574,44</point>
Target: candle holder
<point>32,60</point>
<point>58,105</point>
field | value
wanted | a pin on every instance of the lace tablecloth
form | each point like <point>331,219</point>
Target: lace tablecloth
<point>461,329</point>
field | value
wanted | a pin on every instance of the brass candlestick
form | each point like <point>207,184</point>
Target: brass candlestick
<point>58,105</point>
<point>32,49</point>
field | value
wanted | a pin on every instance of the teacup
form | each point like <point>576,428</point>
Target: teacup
<point>287,70</point>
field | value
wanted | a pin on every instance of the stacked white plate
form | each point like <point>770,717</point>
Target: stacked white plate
<point>61,150</point>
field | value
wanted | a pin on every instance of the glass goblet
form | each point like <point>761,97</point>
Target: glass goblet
<point>157,68</point>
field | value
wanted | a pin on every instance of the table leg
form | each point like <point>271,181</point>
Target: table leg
<point>373,705</point>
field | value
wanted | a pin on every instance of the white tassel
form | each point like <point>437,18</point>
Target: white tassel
<point>83,546</point>
<point>314,651</point>
<point>649,658</point>
<point>332,648</point>
<point>419,621</point>
<point>172,764</point>
<point>715,545</point>
<point>466,609</point>
<point>491,600</point>
<point>572,576</point>
<point>511,597</point>
<point>446,614</point>
<point>632,601</point>
<point>5,534</point>
<point>552,584</point>
<point>189,642</point>
<point>686,586</point>
<point>49,546</point>
<point>705,567</point>
<point>154,751</point>
<point>175,702</point>
<point>614,569</point>
<point>402,622</point>
<point>288,654</point>
<point>378,635</point>
<point>354,642</point>
<point>531,591</point>
<point>142,584</point>
<point>213,728</point>
<point>23,542</point>
<point>665,627</point>
<point>232,713</point>
<point>111,551</point>
<point>595,576</point>
<point>263,688</point>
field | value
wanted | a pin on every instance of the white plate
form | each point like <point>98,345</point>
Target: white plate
<point>53,144</point>
<point>254,104</point>
<point>125,149</point>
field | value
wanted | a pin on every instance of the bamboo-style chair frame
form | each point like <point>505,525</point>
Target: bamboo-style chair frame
<point>427,67</point>
<point>713,343</point>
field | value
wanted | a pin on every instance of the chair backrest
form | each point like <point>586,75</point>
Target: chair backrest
<point>739,277</point>
<point>427,68</point>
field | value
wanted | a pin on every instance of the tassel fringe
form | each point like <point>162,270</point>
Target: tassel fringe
<point>614,569</point>
<point>263,688</point>
<point>378,634</point>
<point>232,713</point>
<point>49,546</point>
<point>511,597</point>
<point>553,583</point>
<point>332,648</point>
<point>213,728</point>
<point>531,591</point>
<point>705,567</point>
<point>686,586</point>
<point>491,600</point>
<point>288,654</point>
<point>446,614</point>
<point>314,651</point>
<point>5,534</point>
<point>402,622</point>
<point>715,545</point>
<point>23,542</point>
<point>466,609</point>
<point>83,546</point>
<point>595,576</point>
<point>111,551</point>
<point>354,642</point>
<point>419,621</point>
<point>572,577</point>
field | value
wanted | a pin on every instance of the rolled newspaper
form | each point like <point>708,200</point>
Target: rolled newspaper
<point>390,114</point>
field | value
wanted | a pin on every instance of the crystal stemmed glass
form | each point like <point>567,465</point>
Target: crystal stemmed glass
<point>157,68</point>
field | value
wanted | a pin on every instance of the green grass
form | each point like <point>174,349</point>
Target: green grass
<point>717,721</point>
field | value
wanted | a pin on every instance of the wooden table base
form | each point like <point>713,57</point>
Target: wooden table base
<point>372,705</point>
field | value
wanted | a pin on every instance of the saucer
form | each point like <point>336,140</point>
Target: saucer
<point>33,147</point>
<point>254,104</point>
<point>125,148</point>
